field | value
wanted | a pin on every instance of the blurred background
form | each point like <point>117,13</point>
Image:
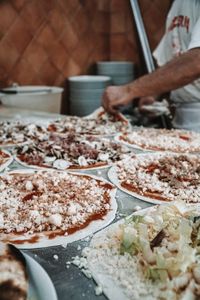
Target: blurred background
<point>44,42</point>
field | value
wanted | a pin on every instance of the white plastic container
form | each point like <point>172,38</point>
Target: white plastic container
<point>89,82</point>
<point>38,98</point>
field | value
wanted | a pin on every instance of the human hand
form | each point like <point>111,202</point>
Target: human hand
<point>115,96</point>
<point>145,101</point>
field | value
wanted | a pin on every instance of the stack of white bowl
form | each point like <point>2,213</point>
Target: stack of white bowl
<point>121,72</point>
<point>86,93</point>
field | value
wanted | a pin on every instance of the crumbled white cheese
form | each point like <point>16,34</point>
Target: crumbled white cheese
<point>1,220</point>
<point>101,124</point>
<point>34,213</point>
<point>137,207</point>
<point>61,164</point>
<point>82,161</point>
<point>163,139</point>
<point>72,209</point>
<point>183,183</point>
<point>50,206</point>
<point>48,159</point>
<point>56,220</point>
<point>29,186</point>
<point>98,290</point>
<point>103,156</point>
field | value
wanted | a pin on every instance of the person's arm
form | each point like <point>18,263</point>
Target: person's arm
<point>178,72</point>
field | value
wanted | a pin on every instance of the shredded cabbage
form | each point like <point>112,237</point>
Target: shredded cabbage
<point>173,256</point>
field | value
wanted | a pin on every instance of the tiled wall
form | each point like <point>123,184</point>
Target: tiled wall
<point>45,41</point>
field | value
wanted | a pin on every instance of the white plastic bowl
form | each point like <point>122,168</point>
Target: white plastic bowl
<point>38,98</point>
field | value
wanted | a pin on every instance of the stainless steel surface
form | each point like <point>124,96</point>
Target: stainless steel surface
<point>70,283</point>
<point>142,36</point>
<point>144,44</point>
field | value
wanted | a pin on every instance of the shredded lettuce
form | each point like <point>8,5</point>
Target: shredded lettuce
<point>130,242</point>
<point>154,274</point>
<point>175,255</point>
<point>137,219</point>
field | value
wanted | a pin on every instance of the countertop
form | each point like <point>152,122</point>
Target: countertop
<point>70,283</point>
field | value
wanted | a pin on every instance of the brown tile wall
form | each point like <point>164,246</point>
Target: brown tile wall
<point>45,41</point>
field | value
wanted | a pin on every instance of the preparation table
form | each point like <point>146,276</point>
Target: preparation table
<point>70,282</point>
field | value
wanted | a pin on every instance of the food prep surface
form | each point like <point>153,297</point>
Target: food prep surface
<point>68,279</point>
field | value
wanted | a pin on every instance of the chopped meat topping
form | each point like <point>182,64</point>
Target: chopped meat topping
<point>72,151</point>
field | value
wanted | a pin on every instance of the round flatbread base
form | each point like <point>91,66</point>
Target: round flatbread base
<point>68,169</point>
<point>119,138</point>
<point>112,175</point>
<point>27,241</point>
<point>133,146</point>
<point>8,162</point>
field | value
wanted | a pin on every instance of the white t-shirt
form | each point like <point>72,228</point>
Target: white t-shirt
<point>182,34</point>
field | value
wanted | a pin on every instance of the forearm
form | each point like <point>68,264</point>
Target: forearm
<point>177,73</point>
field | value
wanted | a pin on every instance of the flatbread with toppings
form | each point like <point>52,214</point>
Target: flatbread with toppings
<point>99,123</point>
<point>43,208</point>
<point>158,178</point>
<point>151,255</point>
<point>5,159</point>
<point>13,274</point>
<point>180,141</point>
<point>18,133</point>
<point>71,152</point>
